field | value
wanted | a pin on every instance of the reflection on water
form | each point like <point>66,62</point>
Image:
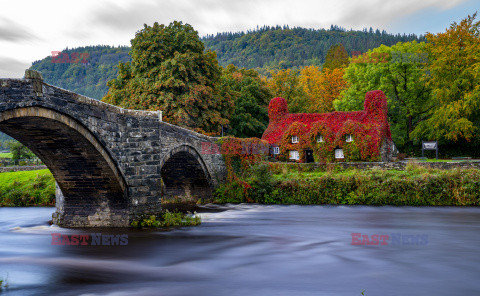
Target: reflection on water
<point>253,250</point>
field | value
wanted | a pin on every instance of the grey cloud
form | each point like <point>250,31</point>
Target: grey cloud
<point>12,31</point>
<point>202,14</point>
<point>12,68</point>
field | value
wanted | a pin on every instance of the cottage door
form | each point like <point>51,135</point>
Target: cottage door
<point>309,155</point>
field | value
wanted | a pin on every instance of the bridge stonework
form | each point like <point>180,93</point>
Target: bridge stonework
<point>110,164</point>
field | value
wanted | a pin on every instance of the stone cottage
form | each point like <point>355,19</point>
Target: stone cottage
<point>325,137</point>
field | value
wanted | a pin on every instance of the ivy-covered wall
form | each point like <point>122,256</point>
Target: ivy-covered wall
<point>369,129</point>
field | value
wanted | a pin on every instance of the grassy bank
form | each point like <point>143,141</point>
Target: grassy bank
<point>27,188</point>
<point>6,155</point>
<point>416,186</point>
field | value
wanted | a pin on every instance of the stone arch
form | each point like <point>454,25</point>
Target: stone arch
<point>94,189</point>
<point>185,175</point>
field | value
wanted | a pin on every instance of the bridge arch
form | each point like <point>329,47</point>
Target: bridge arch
<point>93,187</point>
<point>185,175</point>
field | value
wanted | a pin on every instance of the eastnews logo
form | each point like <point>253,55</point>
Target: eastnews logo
<point>247,148</point>
<point>395,239</point>
<point>93,239</point>
<point>59,57</point>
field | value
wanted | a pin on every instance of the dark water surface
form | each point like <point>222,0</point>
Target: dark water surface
<point>253,250</point>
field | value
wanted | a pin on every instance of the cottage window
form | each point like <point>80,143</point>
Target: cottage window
<point>349,138</point>
<point>339,154</point>
<point>276,150</point>
<point>294,155</point>
<point>294,139</point>
<point>320,139</point>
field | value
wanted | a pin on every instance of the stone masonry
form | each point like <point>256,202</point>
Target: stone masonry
<point>110,164</point>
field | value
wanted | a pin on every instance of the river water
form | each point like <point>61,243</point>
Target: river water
<point>253,250</point>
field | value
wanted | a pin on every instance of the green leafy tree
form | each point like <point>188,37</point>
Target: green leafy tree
<point>170,71</point>
<point>251,96</point>
<point>400,72</point>
<point>337,57</point>
<point>286,84</point>
<point>19,151</point>
<point>455,80</point>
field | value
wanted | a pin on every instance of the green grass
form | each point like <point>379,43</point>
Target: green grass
<point>6,155</point>
<point>27,188</point>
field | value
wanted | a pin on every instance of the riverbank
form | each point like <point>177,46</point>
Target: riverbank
<point>280,183</point>
<point>414,186</point>
<point>27,188</point>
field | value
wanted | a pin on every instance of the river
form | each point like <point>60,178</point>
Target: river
<point>253,250</point>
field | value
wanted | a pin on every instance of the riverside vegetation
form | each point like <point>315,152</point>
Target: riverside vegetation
<point>281,183</point>
<point>288,183</point>
<point>27,188</point>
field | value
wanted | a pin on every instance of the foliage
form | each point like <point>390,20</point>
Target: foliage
<point>300,130</point>
<point>455,80</point>
<point>267,48</point>
<point>168,219</point>
<point>369,128</point>
<point>321,87</point>
<point>242,151</point>
<point>399,71</point>
<point>416,186</point>
<point>27,188</point>
<point>286,84</point>
<point>4,140</point>
<point>88,79</point>
<point>19,151</point>
<point>276,48</point>
<point>171,72</point>
<point>337,57</point>
<point>250,95</point>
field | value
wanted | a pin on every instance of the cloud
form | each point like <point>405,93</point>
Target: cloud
<point>380,13</point>
<point>12,68</point>
<point>212,16</point>
<point>14,32</point>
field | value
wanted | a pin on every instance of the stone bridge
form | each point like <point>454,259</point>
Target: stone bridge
<point>110,164</point>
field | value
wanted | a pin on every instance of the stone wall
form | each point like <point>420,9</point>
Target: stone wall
<point>22,168</point>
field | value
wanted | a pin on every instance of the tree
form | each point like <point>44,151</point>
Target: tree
<point>251,97</point>
<point>286,84</point>
<point>322,87</point>
<point>19,151</point>
<point>337,57</point>
<point>454,70</point>
<point>171,72</point>
<point>400,72</point>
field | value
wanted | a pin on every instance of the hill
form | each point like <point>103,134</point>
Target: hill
<point>264,49</point>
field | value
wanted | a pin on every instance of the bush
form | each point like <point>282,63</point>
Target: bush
<point>416,186</point>
<point>168,219</point>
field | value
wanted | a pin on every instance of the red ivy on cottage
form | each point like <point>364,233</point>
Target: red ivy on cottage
<point>369,128</point>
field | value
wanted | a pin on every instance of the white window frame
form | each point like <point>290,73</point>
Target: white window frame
<point>294,139</point>
<point>294,155</point>
<point>349,138</point>
<point>339,153</point>
<point>320,139</point>
<point>275,150</point>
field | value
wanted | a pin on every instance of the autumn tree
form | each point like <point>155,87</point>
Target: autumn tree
<point>322,87</point>
<point>251,97</point>
<point>400,72</point>
<point>337,57</point>
<point>286,84</point>
<point>170,71</point>
<point>454,77</point>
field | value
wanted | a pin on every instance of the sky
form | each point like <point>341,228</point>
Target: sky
<point>31,30</point>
